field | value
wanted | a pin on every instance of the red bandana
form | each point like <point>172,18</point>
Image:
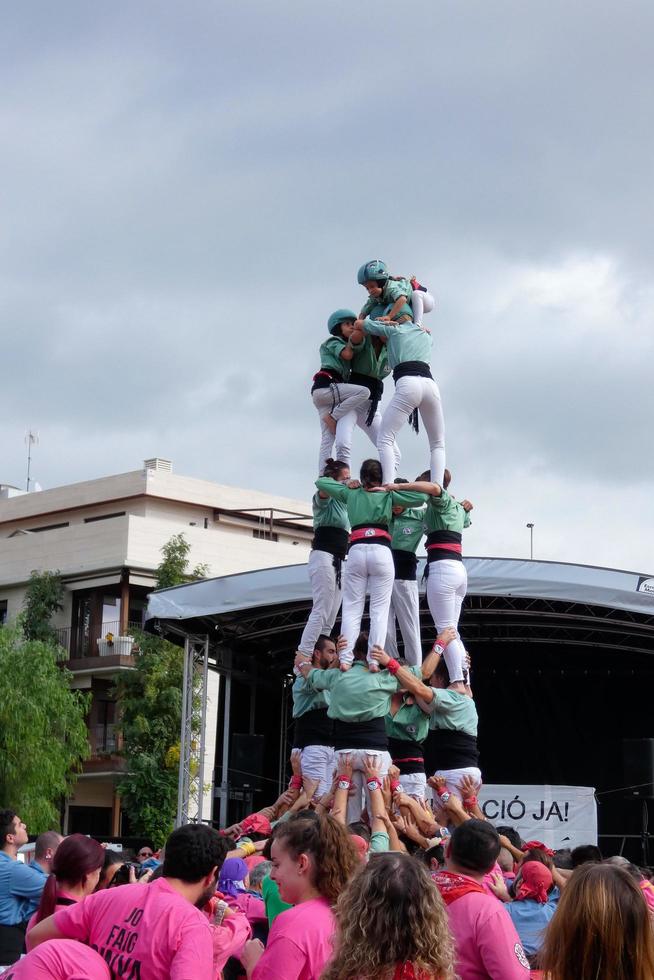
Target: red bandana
<point>452,886</point>
<point>407,971</point>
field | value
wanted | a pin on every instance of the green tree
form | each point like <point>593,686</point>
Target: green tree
<point>173,569</point>
<point>44,596</point>
<point>150,699</point>
<point>43,733</point>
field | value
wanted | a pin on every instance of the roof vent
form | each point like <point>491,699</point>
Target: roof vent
<point>162,465</point>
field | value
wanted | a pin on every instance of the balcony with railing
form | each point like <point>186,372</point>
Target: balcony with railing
<point>106,743</point>
<point>112,646</point>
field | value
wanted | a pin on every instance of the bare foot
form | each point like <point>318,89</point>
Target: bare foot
<point>330,423</point>
<point>344,667</point>
<point>373,668</point>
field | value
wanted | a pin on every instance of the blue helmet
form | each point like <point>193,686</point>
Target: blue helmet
<point>338,317</point>
<point>375,269</point>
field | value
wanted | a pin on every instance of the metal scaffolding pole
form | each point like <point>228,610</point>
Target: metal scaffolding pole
<point>190,786</point>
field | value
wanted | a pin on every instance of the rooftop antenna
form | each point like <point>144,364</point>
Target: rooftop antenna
<point>31,439</point>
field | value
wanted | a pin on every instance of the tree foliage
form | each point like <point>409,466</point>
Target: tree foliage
<point>43,733</point>
<point>173,569</point>
<point>151,713</point>
<point>44,596</point>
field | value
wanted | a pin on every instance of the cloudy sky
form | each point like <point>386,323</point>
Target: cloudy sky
<point>187,191</point>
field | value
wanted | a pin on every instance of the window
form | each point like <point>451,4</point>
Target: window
<point>103,517</point>
<point>265,535</point>
<point>3,611</point>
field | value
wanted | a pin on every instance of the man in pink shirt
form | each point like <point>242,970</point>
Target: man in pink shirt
<point>59,959</point>
<point>154,931</point>
<point>487,944</point>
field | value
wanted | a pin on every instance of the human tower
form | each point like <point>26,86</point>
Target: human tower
<point>367,528</point>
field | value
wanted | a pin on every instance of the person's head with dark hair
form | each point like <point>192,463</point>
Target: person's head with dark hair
<point>512,836</point>
<point>563,859</point>
<point>324,653</point>
<point>45,848</point>
<point>601,929</point>
<point>337,469</point>
<point>618,861</point>
<point>473,848</point>
<point>312,856</point>
<point>112,861</point>
<point>76,868</point>
<point>193,858</point>
<point>391,915</point>
<point>441,676</point>
<point>360,829</point>
<point>433,857</point>
<point>370,474</point>
<point>585,854</point>
<point>447,479</point>
<point>360,648</point>
<point>13,832</point>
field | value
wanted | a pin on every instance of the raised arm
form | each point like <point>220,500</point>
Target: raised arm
<point>419,486</point>
<point>430,663</point>
<point>405,677</point>
<point>332,488</point>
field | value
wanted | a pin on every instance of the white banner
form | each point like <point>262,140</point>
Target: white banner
<point>559,816</point>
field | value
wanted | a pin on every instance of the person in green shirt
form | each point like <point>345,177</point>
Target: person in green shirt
<point>333,397</point>
<point>331,529</point>
<point>393,291</point>
<point>447,580</point>
<point>369,566</point>
<point>416,393</point>
<point>407,531</point>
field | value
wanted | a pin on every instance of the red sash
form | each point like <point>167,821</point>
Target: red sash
<point>452,886</point>
<point>407,971</point>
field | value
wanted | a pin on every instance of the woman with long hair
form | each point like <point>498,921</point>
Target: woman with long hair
<point>601,929</point>
<point>392,925</point>
<point>313,859</point>
<point>76,868</point>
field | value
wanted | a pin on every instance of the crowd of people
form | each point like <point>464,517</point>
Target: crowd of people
<point>376,862</point>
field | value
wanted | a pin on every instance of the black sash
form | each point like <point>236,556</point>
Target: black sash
<point>361,735</point>
<point>411,369</point>
<point>406,564</point>
<point>445,749</point>
<point>313,728</point>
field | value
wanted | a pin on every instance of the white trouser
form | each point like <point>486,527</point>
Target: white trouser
<point>368,567</point>
<point>326,599</point>
<point>337,401</point>
<point>318,766</point>
<point>421,393</point>
<point>358,787</point>
<point>447,583</point>
<point>453,779</point>
<point>414,784</point>
<point>421,303</point>
<point>405,606</point>
<point>345,429</point>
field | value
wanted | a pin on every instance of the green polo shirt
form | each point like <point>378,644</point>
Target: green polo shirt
<point>369,506</point>
<point>357,694</point>
<point>444,513</point>
<point>330,356</point>
<point>410,723</point>
<point>408,529</point>
<point>405,341</point>
<point>393,289</point>
<point>453,711</point>
<point>306,698</point>
<point>329,512</point>
<point>367,361</point>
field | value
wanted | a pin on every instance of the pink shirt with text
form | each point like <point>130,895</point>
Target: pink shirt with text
<point>149,932</point>
<point>487,944</point>
<point>59,959</point>
<point>299,943</point>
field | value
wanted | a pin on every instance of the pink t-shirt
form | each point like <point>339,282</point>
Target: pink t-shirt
<point>487,944</point>
<point>148,932</point>
<point>59,959</point>
<point>299,943</point>
<point>32,922</point>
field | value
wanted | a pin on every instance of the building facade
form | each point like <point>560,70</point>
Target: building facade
<point>104,537</point>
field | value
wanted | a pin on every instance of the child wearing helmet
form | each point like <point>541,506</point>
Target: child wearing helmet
<point>396,292</point>
<point>332,396</point>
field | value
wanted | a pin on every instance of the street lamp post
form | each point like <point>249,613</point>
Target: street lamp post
<point>531,540</point>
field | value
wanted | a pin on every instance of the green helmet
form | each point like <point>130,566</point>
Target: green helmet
<point>375,269</point>
<point>338,317</point>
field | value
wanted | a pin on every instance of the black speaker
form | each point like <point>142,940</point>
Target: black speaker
<point>246,761</point>
<point>638,763</point>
